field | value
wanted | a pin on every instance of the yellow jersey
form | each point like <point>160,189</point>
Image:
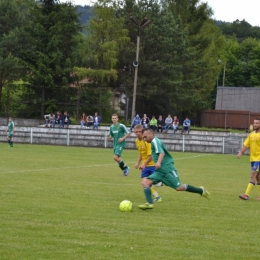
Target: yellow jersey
<point>145,150</point>
<point>253,142</point>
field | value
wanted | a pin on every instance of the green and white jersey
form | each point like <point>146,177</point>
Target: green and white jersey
<point>10,127</point>
<point>118,131</point>
<point>157,148</point>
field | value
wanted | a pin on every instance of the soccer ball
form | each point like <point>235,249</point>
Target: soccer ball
<point>126,206</point>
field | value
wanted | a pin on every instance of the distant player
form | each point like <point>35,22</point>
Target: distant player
<point>252,142</point>
<point>145,156</point>
<point>10,131</point>
<point>119,133</point>
<point>165,171</point>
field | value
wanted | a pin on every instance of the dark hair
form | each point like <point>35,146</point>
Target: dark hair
<point>147,129</point>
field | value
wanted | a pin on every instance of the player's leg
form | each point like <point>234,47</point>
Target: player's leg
<point>8,139</point>
<point>172,179</point>
<point>117,157</point>
<point>11,141</point>
<point>251,184</point>
<point>146,183</point>
<point>258,185</point>
<point>147,171</point>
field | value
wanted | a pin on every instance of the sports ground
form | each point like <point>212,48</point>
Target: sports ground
<point>62,202</point>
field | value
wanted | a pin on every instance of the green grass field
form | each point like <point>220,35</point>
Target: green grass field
<point>62,203</point>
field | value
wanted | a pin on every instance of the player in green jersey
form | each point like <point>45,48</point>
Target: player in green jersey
<point>165,171</point>
<point>119,133</point>
<point>10,131</point>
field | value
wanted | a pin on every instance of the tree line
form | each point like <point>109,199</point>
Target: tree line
<point>54,57</point>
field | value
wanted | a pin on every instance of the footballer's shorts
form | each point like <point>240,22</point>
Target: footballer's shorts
<point>9,135</point>
<point>169,178</point>
<point>118,150</point>
<point>147,171</point>
<point>255,166</point>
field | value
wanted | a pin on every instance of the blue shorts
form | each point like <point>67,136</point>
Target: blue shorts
<point>147,171</point>
<point>255,166</point>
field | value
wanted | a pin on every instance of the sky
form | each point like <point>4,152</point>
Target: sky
<point>225,10</point>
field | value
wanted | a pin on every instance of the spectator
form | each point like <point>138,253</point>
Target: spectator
<point>89,121</point>
<point>153,123</point>
<point>145,121</point>
<point>160,124</point>
<point>186,125</point>
<point>56,120</point>
<point>66,119</point>
<point>136,121</point>
<point>168,123</point>
<point>175,124</point>
<point>61,120</point>
<point>83,120</point>
<point>48,119</point>
<point>97,120</point>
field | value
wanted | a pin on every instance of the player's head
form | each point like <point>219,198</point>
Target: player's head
<point>148,135</point>
<point>114,119</point>
<point>10,119</point>
<point>257,124</point>
<point>138,131</point>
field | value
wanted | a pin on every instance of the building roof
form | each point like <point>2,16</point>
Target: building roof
<point>238,98</point>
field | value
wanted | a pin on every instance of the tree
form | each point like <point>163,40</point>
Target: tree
<point>52,32</point>
<point>178,55</point>
<point>10,63</point>
<point>105,38</point>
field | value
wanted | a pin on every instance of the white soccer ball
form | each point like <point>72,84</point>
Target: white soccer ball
<point>126,206</point>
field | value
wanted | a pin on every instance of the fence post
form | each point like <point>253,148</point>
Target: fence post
<point>31,135</point>
<point>105,143</point>
<point>223,144</point>
<point>183,145</point>
<point>68,137</point>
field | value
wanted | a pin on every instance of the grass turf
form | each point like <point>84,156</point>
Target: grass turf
<point>62,203</point>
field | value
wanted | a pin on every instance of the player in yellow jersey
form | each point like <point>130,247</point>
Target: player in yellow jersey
<point>145,156</point>
<point>253,142</point>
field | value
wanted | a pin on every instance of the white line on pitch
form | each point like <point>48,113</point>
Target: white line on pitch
<point>91,166</point>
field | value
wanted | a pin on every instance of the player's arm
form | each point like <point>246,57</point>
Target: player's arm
<point>159,161</point>
<point>110,135</point>
<point>149,155</point>
<point>149,158</point>
<point>120,140</point>
<point>128,134</point>
<point>241,152</point>
<point>139,159</point>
